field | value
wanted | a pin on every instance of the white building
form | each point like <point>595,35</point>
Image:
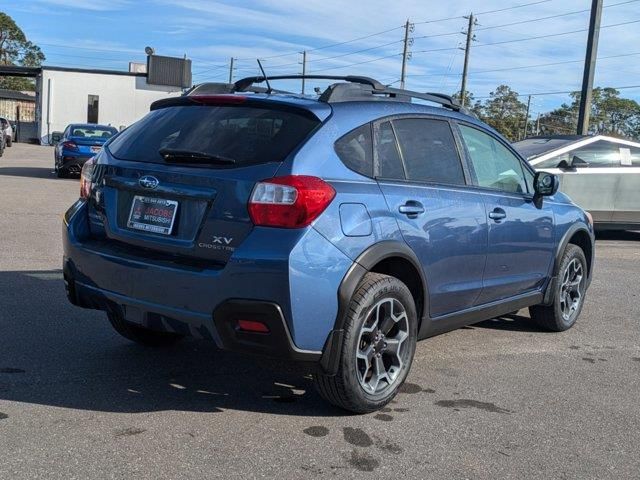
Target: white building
<point>73,95</point>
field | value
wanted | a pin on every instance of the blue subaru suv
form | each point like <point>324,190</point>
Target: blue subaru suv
<point>336,230</point>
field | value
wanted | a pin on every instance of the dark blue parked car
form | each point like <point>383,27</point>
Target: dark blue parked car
<point>337,230</point>
<point>79,142</point>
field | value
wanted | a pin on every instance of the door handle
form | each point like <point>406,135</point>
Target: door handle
<point>497,214</point>
<point>411,209</point>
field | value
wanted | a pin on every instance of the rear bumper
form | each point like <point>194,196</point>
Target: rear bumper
<point>264,280</point>
<point>221,327</point>
<point>73,161</point>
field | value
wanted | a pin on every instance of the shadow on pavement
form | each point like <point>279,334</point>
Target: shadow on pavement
<point>618,235</point>
<point>31,172</point>
<point>513,323</point>
<point>52,353</point>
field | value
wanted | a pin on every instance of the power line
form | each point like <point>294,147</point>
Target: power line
<point>551,16</point>
<point>215,67</point>
<point>357,63</point>
<point>524,67</point>
<point>531,20</point>
<point>513,7</point>
<point>329,46</point>
<point>539,94</point>
<point>483,13</point>
<point>530,38</point>
<point>457,32</point>
<point>353,53</point>
<point>553,34</point>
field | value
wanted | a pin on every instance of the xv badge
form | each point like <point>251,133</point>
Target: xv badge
<point>222,240</point>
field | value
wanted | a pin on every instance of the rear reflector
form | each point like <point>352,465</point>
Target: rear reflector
<point>293,201</point>
<point>252,326</point>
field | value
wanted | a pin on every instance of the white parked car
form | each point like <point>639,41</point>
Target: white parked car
<point>599,173</point>
<point>7,131</point>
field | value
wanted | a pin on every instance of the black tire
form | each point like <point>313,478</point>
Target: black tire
<point>61,173</point>
<point>345,389</point>
<point>141,335</point>
<point>554,317</point>
<point>9,141</point>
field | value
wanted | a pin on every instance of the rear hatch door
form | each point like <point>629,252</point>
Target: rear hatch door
<point>175,185</point>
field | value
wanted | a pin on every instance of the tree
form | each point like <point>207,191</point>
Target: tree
<point>561,121</point>
<point>473,105</point>
<point>610,115</point>
<point>16,49</point>
<point>504,112</point>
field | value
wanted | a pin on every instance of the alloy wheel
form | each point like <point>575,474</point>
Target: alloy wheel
<point>571,289</point>
<point>381,346</point>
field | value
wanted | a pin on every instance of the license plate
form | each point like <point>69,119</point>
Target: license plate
<point>95,149</point>
<point>152,214</point>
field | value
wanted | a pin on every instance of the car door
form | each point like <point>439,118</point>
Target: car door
<point>521,235</point>
<point>421,175</point>
<point>594,182</point>
<point>626,209</point>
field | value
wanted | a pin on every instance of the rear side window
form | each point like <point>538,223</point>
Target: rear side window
<point>355,150</point>
<point>429,151</point>
<point>247,135</point>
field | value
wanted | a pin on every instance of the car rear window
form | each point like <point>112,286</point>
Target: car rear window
<point>247,135</point>
<point>90,132</point>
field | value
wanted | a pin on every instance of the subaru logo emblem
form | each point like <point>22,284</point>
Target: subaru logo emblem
<point>148,181</point>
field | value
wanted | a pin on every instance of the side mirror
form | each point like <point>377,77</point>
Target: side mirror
<point>55,138</point>
<point>545,184</point>
<point>577,162</point>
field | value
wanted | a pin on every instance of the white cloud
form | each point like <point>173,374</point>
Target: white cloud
<point>211,31</point>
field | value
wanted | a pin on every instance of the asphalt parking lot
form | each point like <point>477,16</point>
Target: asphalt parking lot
<point>500,399</point>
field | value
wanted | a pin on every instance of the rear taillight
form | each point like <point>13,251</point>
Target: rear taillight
<point>69,146</point>
<point>85,178</point>
<point>293,201</point>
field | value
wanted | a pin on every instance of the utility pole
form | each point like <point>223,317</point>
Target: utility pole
<point>589,67</point>
<point>406,54</point>
<point>467,51</point>
<point>231,70</point>
<point>526,119</point>
<point>304,68</point>
<point>538,125</point>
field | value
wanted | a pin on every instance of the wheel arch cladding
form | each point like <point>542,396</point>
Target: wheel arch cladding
<point>583,240</point>
<point>390,258</point>
<point>406,272</point>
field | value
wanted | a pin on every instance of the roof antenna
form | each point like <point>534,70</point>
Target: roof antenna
<point>264,75</point>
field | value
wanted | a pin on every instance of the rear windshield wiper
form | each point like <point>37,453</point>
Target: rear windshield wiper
<point>193,156</point>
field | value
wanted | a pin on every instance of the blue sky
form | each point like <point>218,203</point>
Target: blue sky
<point>110,33</point>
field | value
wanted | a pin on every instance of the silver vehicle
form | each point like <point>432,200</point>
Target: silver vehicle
<point>599,173</point>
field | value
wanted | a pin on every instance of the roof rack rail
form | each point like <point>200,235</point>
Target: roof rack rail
<point>345,92</point>
<point>242,84</point>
